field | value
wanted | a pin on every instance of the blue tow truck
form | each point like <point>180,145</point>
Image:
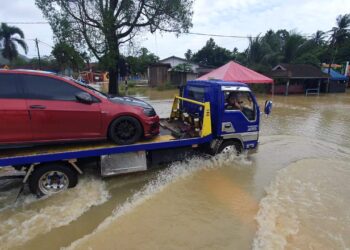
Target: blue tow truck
<point>201,119</point>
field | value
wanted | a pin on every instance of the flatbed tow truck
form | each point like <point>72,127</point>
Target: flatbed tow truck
<point>200,119</point>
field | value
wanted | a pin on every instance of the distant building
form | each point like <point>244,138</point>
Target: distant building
<point>169,71</point>
<point>175,61</point>
<point>297,78</point>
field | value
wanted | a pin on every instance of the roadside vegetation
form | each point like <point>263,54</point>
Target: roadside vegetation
<point>282,46</point>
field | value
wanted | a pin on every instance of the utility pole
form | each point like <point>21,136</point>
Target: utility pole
<point>37,48</point>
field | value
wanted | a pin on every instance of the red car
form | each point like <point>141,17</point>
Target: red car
<point>41,107</point>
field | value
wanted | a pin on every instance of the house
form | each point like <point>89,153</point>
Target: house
<point>175,61</point>
<point>174,70</point>
<point>337,82</point>
<point>158,74</point>
<point>297,78</point>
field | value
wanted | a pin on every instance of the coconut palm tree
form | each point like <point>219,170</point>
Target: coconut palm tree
<point>338,35</point>
<point>10,38</point>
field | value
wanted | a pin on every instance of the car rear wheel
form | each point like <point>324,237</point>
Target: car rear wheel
<point>125,130</point>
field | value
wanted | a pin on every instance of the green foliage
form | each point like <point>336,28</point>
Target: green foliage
<point>183,67</point>
<point>139,63</point>
<point>166,86</point>
<point>212,54</point>
<point>266,51</point>
<point>102,26</point>
<point>10,38</point>
<point>67,57</point>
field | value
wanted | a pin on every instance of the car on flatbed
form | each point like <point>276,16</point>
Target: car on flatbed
<point>42,107</point>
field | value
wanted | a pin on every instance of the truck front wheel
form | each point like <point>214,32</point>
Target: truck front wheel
<point>52,178</point>
<point>230,146</point>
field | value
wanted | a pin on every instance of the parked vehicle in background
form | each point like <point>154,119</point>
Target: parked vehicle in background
<point>42,107</point>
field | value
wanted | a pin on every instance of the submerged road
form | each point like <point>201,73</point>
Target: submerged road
<point>292,193</point>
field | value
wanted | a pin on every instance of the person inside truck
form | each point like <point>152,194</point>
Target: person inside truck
<point>240,101</point>
<point>233,102</point>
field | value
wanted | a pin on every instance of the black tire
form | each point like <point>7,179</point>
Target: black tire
<point>125,130</point>
<point>227,145</point>
<point>52,178</point>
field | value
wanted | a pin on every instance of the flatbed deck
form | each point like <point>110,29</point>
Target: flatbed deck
<point>49,153</point>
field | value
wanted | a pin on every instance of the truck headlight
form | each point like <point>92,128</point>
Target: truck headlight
<point>149,112</point>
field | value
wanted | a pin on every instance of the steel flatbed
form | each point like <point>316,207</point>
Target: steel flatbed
<point>51,153</point>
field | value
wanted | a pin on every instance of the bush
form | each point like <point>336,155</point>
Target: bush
<point>166,86</point>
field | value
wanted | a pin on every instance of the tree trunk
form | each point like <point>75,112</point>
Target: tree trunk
<point>113,81</point>
<point>113,88</point>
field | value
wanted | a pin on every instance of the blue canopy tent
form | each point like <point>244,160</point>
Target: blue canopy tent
<point>338,82</point>
<point>335,75</point>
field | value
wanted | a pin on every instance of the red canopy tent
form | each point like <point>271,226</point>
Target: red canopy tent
<point>234,72</point>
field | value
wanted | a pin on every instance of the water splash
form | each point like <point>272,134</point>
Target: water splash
<point>32,217</point>
<point>175,171</point>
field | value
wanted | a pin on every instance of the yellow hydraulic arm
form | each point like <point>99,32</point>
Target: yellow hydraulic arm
<point>206,127</point>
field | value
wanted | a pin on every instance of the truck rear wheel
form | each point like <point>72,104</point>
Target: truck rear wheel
<point>52,178</point>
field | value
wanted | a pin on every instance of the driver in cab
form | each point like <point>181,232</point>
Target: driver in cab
<point>234,102</point>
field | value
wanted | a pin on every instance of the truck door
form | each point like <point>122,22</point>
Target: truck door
<point>240,117</point>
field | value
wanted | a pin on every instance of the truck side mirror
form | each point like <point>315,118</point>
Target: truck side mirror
<point>268,107</point>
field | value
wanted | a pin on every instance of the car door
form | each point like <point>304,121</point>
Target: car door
<point>14,116</point>
<point>55,112</point>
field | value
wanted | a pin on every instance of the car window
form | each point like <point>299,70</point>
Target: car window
<point>46,88</point>
<point>9,86</point>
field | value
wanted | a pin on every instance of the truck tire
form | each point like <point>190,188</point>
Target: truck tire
<point>125,130</point>
<point>228,146</point>
<point>52,178</point>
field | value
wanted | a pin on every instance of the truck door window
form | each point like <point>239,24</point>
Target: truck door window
<point>240,101</point>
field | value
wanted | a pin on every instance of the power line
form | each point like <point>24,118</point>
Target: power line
<point>187,33</point>
<point>37,22</point>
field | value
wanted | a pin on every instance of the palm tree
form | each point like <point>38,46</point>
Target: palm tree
<point>10,38</point>
<point>339,35</point>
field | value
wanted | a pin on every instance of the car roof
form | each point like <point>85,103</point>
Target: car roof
<point>218,83</point>
<point>27,71</point>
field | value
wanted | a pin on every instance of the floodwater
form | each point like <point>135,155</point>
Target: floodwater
<point>294,193</point>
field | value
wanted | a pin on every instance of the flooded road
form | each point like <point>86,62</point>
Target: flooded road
<point>293,193</point>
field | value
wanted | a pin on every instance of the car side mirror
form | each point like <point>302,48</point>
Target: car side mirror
<point>268,107</point>
<point>84,97</point>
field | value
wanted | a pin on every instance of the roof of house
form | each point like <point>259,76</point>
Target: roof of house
<point>174,57</point>
<point>302,71</point>
<point>234,72</point>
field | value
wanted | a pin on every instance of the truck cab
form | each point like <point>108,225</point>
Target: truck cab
<point>235,113</point>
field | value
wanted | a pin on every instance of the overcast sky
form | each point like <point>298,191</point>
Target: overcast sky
<point>226,17</point>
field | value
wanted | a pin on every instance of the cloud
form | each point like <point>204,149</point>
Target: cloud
<point>227,17</point>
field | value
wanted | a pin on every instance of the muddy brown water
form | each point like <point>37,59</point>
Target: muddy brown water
<point>293,193</point>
